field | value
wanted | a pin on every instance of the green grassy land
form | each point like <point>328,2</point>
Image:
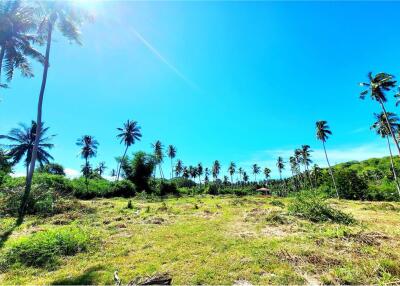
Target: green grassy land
<point>217,240</point>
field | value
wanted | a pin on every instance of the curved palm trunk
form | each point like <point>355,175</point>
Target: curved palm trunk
<point>330,170</point>
<point>38,128</point>
<point>390,127</point>
<point>120,163</point>
<point>393,169</point>
<point>2,52</point>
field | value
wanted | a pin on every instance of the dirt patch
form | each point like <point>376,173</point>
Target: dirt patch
<point>154,220</point>
<point>367,238</point>
<point>268,216</point>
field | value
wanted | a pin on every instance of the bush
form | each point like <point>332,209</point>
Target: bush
<point>52,168</point>
<point>277,203</point>
<point>122,188</point>
<point>211,189</point>
<point>315,208</point>
<point>183,182</point>
<point>95,188</point>
<point>43,249</point>
<point>350,185</point>
<point>165,188</point>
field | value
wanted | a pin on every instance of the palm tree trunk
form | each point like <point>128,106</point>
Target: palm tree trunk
<point>172,168</point>
<point>392,163</point>
<point>86,175</point>
<point>390,127</point>
<point>120,163</point>
<point>2,53</point>
<point>161,172</point>
<point>330,170</point>
<point>38,128</point>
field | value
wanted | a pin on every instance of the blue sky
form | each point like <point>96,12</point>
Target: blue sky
<point>241,81</point>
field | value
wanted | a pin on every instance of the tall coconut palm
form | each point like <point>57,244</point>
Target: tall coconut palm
<point>158,155</point>
<point>377,86</point>
<point>267,173</point>
<point>280,164</point>
<point>232,170</point>
<point>171,153</point>
<point>200,172</point>
<point>245,177</point>
<point>306,161</point>
<point>21,144</point>
<point>240,172</point>
<point>129,134</point>
<point>17,22</point>
<point>206,175</point>
<point>88,150</point>
<point>178,168</point>
<point>193,172</point>
<point>256,170</point>
<point>216,169</point>
<point>382,129</point>
<point>185,172</point>
<point>67,18</point>
<point>323,133</point>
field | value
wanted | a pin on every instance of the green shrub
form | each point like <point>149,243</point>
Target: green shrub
<point>351,186</point>
<point>183,182</point>
<point>277,203</point>
<point>122,188</point>
<point>211,189</point>
<point>44,248</point>
<point>95,188</point>
<point>165,188</point>
<point>315,208</point>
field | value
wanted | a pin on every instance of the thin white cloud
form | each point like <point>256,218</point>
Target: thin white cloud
<point>163,59</point>
<point>71,173</point>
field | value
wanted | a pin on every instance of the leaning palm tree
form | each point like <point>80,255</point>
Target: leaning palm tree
<point>232,170</point>
<point>216,169</point>
<point>323,133</point>
<point>171,153</point>
<point>158,155</point>
<point>256,170</point>
<point>67,18</point>
<point>178,168</point>
<point>281,166</point>
<point>21,144</point>
<point>377,86</point>
<point>17,21</point>
<point>129,134</point>
<point>267,173</point>
<point>382,129</point>
<point>88,150</point>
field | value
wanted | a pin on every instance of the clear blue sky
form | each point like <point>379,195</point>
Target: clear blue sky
<point>219,80</point>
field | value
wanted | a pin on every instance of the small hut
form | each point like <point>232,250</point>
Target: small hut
<point>264,191</point>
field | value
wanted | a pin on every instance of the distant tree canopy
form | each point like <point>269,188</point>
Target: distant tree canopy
<point>52,168</point>
<point>139,170</point>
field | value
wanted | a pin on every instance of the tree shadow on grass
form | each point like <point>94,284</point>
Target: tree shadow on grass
<point>87,278</point>
<point>6,234</point>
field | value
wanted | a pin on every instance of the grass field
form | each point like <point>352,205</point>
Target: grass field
<point>218,240</point>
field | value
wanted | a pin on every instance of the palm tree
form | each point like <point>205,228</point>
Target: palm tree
<point>256,170</point>
<point>113,173</point>
<point>216,169</point>
<point>281,166</point>
<point>67,18</point>
<point>377,86</point>
<point>158,155</point>
<point>267,173</point>
<point>382,129</point>
<point>185,173</point>
<point>245,177</point>
<point>171,152</point>
<point>178,168</point>
<point>306,161</point>
<point>200,172</point>
<point>206,175</point>
<point>323,133</point>
<point>232,170</point>
<point>101,168</point>
<point>240,171</point>
<point>16,22</point>
<point>129,134</point>
<point>193,172</point>
<point>22,140</point>
<point>88,150</point>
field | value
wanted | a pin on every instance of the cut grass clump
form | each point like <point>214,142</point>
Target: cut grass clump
<point>316,209</point>
<point>44,248</point>
<point>277,203</point>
